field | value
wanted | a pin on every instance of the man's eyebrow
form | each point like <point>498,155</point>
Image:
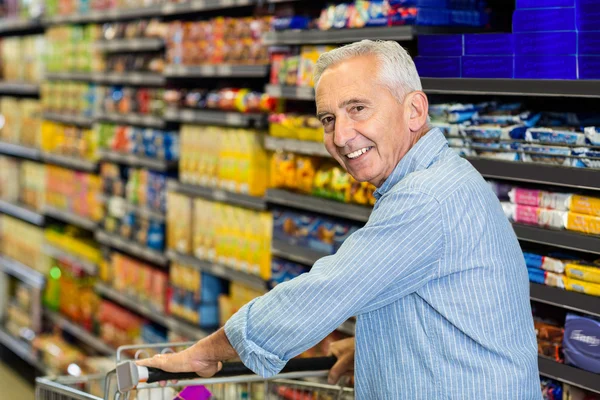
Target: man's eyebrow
<point>344,103</point>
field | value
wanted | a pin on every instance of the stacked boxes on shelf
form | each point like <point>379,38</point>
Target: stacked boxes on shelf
<point>22,182</point>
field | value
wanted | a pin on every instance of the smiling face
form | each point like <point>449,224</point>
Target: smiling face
<point>367,130</point>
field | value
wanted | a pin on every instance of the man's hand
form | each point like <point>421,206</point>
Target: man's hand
<point>344,351</point>
<point>188,360</point>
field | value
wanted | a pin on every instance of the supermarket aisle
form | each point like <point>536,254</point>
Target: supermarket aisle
<point>12,386</point>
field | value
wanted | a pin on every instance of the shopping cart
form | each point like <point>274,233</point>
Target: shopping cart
<point>298,381</point>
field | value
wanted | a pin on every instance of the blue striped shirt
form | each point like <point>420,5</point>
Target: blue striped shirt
<point>437,281</point>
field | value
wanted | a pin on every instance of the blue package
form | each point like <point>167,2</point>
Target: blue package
<point>484,44</point>
<point>581,342</point>
<point>544,20</point>
<point>295,22</point>
<point>589,67</point>
<point>440,45</point>
<point>208,315</point>
<point>544,3</point>
<point>156,235</point>
<point>457,117</point>
<point>551,389</point>
<point>552,136</point>
<point>278,271</point>
<point>150,148</point>
<point>152,334</point>
<point>340,16</point>
<point>402,3</point>
<point>586,158</point>
<point>377,14</point>
<point>546,67</point>
<point>433,3</point>
<point>546,154</point>
<point>439,67</point>
<point>533,260</point>
<point>536,275</point>
<point>342,232</point>
<point>592,134</point>
<point>588,43</point>
<point>487,66</point>
<point>433,17</point>
<point>588,15</point>
<point>545,43</point>
<point>526,118</point>
<point>320,236</point>
<point>486,131</point>
<point>211,288</point>
<point>469,18</point>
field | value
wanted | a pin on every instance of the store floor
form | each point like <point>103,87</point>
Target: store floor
<point>12,386</point>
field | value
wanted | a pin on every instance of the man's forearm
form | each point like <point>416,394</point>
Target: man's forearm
<point>215,347</point>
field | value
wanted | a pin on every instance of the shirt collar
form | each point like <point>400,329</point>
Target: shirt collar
<point>419,157</point>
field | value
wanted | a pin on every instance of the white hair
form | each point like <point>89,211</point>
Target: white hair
<point>397,70</point>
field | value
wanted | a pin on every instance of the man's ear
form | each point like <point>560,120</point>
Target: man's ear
<point>419,110</point>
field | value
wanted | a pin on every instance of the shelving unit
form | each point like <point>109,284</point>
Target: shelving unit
<point>132,248</point>
<point>58,253</point>
<point>137,161</point>
<point>69,218</point>
<point>135,305</point>
<point>22,272</point>
<point>290,92</point>
<point>288,251</point>
<point>23,350</point>
<point>145,212</point>
<point>562,239</point>
<point>219,270</point>
<point>77,120</point>
<point>318,205</point>
<point>213,71</point>
<point>80,333</point>
<point>573,301</point>
<point>16,150</point>
<point>210,117</point>
<point>336,36</point>
<point>222,196</point>
<point>70,162</point>
<point>150,121</point>
<point>108,15</point>
<point>570,375</point>
<point>21,212</point>
<point>22,26</point>
<point>296,146</point>
<point>129,78</point>
<point>513,87</point>
<point>130,45</point>
<point>19,89</point>
<point>192,6</point>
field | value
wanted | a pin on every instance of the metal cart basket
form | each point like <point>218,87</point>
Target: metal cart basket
<point>286,386</point>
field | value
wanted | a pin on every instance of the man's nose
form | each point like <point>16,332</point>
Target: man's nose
<point>344,131</point>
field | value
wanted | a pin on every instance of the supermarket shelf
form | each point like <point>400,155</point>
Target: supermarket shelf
<point>69,218</point>
<point>132,119</point>
<point>316,204</point>
<point>130,78</point>
<point>23,350</point>
<point>20,26</point>
<point>130,247</point>
<point>219,270</point>
<point>70,76</point>
<point>108,15</point>
<point>203,5</point>
<point>513,87</point>
<point>19,151</point>
<point>557,238</point>
<point>211,71</point>
<point>290,92</point>
<point>222,196</point>
<point>296,146</point>
<point>580,178</point>
<point>400,33</point>
<point>573,301</point>
<point>21,212</point>
<point>80,333</point>
<point>153,315</point>
<point>145,212</point>
<point>299,254</point>
<point>58,253</point>
<point>570,375</point>
<point>216,117</point>
<point>70,162</point>
<point>22,272</point>
<point>19,88</point>
<point>130,45</point>
<point>78,120</point>
<point>137,161</point>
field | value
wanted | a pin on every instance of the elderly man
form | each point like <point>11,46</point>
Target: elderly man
<point>436,277</point>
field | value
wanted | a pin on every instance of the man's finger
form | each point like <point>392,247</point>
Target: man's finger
<point>338,369</point>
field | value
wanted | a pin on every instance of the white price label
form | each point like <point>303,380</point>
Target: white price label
<point>187,115</point>
<point>219,195</point>
<point>198,5</point>
<point>136,44</point>
<point>227,3</point>
<point>219,270</point>
<point>207,70</point>
<point>169,8</point>
<point>137,78</point>
<point>276,91</point>
<point>234,119</point>
<point>225,70</point>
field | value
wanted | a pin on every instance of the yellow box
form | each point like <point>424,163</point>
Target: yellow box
<point>576,285</point>
<point>585,205</point>
<point>583,223</point>
<point>587,273</point>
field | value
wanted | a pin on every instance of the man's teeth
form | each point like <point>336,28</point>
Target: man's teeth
<point>358,153</point>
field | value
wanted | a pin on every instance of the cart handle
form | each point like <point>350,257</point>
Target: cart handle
<point>129,374</point>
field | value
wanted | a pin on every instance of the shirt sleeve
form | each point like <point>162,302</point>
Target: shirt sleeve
<point>393,255</point>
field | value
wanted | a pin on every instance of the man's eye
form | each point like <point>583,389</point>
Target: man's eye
<point>326,121</point>
<point>359,108</point>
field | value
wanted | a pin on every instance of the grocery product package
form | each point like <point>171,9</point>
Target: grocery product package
<point>581,344</point>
